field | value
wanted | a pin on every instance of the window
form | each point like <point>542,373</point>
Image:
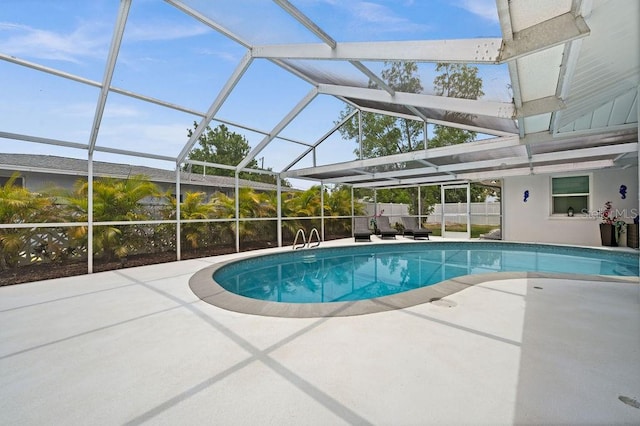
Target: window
<point>19,182</point>
<point>569,192</point>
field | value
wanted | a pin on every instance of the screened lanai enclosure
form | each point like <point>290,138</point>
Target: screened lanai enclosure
<point>139,84</point>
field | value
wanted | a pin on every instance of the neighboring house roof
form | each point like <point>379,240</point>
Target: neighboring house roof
<point>72,166</point>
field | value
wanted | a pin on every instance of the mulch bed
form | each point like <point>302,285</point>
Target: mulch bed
<point>47,271</point>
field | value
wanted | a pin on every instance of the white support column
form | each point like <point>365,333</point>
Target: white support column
<point>426,137</point>
<point>353,212</point>
<point>178,214</point>
<point>90,213</point>
<point>237,212</point>
<point>375,205</point>
<point>360,134</point>
<point>468,210</point>
<point>442,223</point>
<point>321,211</point>
<point>419,208</point>
<point>279,207</point>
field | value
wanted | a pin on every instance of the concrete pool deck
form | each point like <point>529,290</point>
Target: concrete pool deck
<point>137,346</point>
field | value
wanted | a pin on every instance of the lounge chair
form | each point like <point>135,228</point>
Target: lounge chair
<point>494,234</point>
<point>412,228</point>
<point>361,231</point>
<point>386,231</point>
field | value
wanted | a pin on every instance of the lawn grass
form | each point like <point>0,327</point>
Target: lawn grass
<point>476,230</point>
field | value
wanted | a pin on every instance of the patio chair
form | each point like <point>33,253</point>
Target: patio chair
<point>386,231</point>
<point>412,228</point>
<point>361,231</point>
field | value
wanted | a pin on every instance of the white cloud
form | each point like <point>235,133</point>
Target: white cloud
<point>220,54</point>
<point>89,40</point>
<point>162,139</point>
<point>486,9</point>
<point>383,18</point>
<point>162,30</point>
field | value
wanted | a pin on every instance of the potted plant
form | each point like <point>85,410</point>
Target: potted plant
<point>611,226</point>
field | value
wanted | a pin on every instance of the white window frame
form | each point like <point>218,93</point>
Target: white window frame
<point>589,195</point>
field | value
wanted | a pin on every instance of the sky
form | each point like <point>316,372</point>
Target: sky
<point>167,55</point>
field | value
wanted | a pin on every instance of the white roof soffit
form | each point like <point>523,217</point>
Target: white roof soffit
<point>591,75</point>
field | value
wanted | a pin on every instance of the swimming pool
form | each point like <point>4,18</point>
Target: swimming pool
<point>356,273</point>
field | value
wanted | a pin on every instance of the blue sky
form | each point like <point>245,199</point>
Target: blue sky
<point>167,55</point>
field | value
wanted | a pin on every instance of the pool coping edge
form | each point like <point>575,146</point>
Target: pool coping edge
<point>204,286</point>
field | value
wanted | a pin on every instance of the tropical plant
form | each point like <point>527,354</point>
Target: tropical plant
<point>113,200</point>
<point>251,204</point>
<point>609,217</point>
<point>338,203</point>
<point>193,207</point>
<point>19,205</point>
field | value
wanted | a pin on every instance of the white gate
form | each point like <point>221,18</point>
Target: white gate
<point>456,220</point>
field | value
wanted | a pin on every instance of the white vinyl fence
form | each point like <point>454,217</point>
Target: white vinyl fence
<point>487,213</point>
<point>391,210</point>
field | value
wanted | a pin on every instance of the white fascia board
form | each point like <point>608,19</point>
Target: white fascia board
<point>464,106</point>
<point>408,182</point>
<point>415,185</point>
<point>610,134</point>
<point>479,51</point>
<point>494,174</point>
<point>449,168</point>
<point>586,152</point>
<point>586,165</point>
<point>552,168</point>
<point>487,144</point>
<point>498,162</point>
<point>279,127</point>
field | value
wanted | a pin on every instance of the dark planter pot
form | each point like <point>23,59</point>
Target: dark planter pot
<point>632,235</point>
<point>608,235</point>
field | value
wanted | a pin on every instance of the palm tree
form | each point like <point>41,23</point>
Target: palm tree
<point>193,207</point>
<point>113,200</point>
<point>19,205</point>
<point>338,203</point>
<point>251,204</point>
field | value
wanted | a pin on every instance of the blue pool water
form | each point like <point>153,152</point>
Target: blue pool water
<point>364,272</point>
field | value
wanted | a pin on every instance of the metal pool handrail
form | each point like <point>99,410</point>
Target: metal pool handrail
<point>306,243</point>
